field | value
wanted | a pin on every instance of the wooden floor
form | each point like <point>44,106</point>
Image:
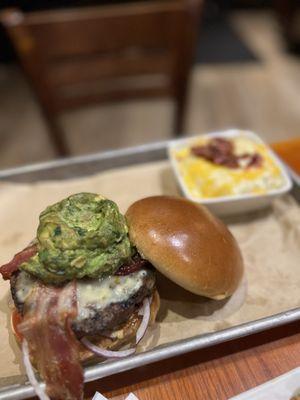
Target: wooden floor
<point>262,96</point>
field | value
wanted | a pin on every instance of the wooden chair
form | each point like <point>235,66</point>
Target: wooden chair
<point>75,57</point>
<point>287,17</point>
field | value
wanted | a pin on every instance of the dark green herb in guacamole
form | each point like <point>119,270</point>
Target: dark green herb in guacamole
<point>83,235</point>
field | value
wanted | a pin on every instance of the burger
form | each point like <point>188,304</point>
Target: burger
<point>86,287</point>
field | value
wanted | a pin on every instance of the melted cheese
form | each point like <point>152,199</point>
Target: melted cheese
<point>92,294</point>
<point>24,286</point>
<point>100,293</point>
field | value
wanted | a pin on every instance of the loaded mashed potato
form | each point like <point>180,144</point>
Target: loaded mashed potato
<point>83,235</point>
<point>223,167</point>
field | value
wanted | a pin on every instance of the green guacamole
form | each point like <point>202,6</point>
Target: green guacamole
<point>83,235</point>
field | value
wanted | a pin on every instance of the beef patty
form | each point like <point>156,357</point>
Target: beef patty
<point>103,304</point>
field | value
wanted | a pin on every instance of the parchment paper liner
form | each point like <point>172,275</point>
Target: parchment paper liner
<point>269,239</point>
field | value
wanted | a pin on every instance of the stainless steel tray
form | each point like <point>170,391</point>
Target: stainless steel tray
<point>85,165</point>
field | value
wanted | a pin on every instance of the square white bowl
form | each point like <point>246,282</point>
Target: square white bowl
<point>231,204</point>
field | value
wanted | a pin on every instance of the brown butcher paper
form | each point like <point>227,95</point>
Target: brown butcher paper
<point>269,240</point>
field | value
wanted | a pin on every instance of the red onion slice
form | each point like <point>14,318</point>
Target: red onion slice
<point>99,351</point>
<point>30,373</point>
<point>145,312</point>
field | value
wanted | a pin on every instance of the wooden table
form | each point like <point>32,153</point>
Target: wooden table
<point>216,373</point>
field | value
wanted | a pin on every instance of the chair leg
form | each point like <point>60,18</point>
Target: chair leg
<point>286,14</point>
<point>180,112</point>
<point>56,136</point>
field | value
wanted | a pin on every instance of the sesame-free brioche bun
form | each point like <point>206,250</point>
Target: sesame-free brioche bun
<point>187,244</point>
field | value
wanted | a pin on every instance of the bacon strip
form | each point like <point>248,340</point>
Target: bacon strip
<point>221,152</point>
<point>47,328</point>
<point>135,264</point>
<point>8,269</point>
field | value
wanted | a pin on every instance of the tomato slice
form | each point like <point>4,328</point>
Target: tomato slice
<point>15,320</point>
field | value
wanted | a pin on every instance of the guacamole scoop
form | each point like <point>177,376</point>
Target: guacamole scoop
<point>83,235</point>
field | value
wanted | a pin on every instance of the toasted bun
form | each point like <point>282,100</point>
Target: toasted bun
<point>187,244</point>
<point>122,337</point>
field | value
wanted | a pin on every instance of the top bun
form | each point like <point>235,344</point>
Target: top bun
<point>187,244</point>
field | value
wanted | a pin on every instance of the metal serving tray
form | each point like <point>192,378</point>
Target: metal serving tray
<point>85,165</point>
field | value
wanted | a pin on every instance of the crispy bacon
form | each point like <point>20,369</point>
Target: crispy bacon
<point>8,269</point>
<point>135,264</point>
<point>221,152</point>
<point>253,160</point>
<point>47,328</point>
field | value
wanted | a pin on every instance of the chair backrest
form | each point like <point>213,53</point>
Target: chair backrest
<point>78,56</point>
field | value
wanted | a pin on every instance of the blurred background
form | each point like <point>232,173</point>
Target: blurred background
<point>78,77</point>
